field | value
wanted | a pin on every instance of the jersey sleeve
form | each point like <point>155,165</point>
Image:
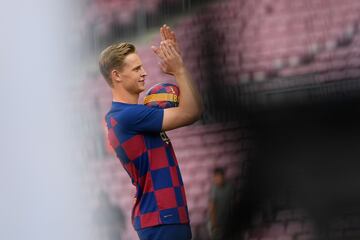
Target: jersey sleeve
<point>143,119</point>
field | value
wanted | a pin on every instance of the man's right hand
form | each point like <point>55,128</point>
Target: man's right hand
<point>171,61</point>
<point>190,106</point>
<point>167,36</point>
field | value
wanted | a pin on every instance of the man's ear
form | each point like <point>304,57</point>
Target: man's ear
<point>115,75</point>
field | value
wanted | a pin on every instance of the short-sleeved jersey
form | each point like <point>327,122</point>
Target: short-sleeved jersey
<point>134,132</point>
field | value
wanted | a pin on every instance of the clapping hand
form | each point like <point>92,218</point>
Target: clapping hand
<point>168,51</point>
<point>167,34</point>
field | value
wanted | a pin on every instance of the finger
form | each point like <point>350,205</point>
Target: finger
<point>162,33</point>
<point>173,50</point>
<point>157,51</point>
<point>168,33</point>
<point>162,66</point>
<point>167,28</point>
<point>167,46</point>
<point>176,46</point>
<point>165,54</point>
<point>165,50</point>
<point>171,42</point>
<point>173,53</point>
<point>173,37</point>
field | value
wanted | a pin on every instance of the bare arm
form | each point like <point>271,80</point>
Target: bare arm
<point>189,109</point>
<point>190,106</point>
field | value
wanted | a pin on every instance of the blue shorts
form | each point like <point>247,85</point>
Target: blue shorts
<point>166,232</point>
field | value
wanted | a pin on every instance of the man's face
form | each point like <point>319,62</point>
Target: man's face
<point>132,74</point>
<point>218,179</point>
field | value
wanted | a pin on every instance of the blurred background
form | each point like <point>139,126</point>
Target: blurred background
<point>280,85</point>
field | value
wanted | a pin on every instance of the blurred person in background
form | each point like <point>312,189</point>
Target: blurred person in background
<point>221,202</point>
<point>160,211</point>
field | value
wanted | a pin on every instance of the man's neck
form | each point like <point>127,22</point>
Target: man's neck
<point>125,97</point>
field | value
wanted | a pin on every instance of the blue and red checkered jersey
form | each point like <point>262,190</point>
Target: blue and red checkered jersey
<point>134,132</point>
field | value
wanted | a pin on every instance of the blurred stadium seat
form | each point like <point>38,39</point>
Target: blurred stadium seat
<point>262,48</point>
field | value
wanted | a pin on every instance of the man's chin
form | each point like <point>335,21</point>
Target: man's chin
<point>141,89</point>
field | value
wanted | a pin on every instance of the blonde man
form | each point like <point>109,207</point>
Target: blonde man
<point>160,211</point>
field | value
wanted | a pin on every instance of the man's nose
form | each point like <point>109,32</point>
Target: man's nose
<point>143,73</point>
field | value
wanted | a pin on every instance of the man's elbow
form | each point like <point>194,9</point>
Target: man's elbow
<point>192,115</point>
<point>195,116</point>
<point>198,112</point>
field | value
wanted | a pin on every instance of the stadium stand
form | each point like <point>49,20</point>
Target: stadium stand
<point>261,51</point>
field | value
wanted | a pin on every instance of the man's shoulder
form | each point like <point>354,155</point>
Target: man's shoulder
<point>122,111</point>
<point>128,108</point>
<point>129,113</point>
<point>136,117</point>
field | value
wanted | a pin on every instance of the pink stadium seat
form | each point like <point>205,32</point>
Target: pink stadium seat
<point>233,172</point>
<point>300,214</point>
<point>293,227</point>
<point>305,236</point>
<point>285,238</point>
<point>308,226</point>
<point>201,175</point>
<point>276,230</point>
<point>284,215</point>
<point>275,37</point>
<point>194,190</point>
<point>215,138</point>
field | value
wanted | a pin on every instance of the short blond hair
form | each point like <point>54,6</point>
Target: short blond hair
<point>113,57</point>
